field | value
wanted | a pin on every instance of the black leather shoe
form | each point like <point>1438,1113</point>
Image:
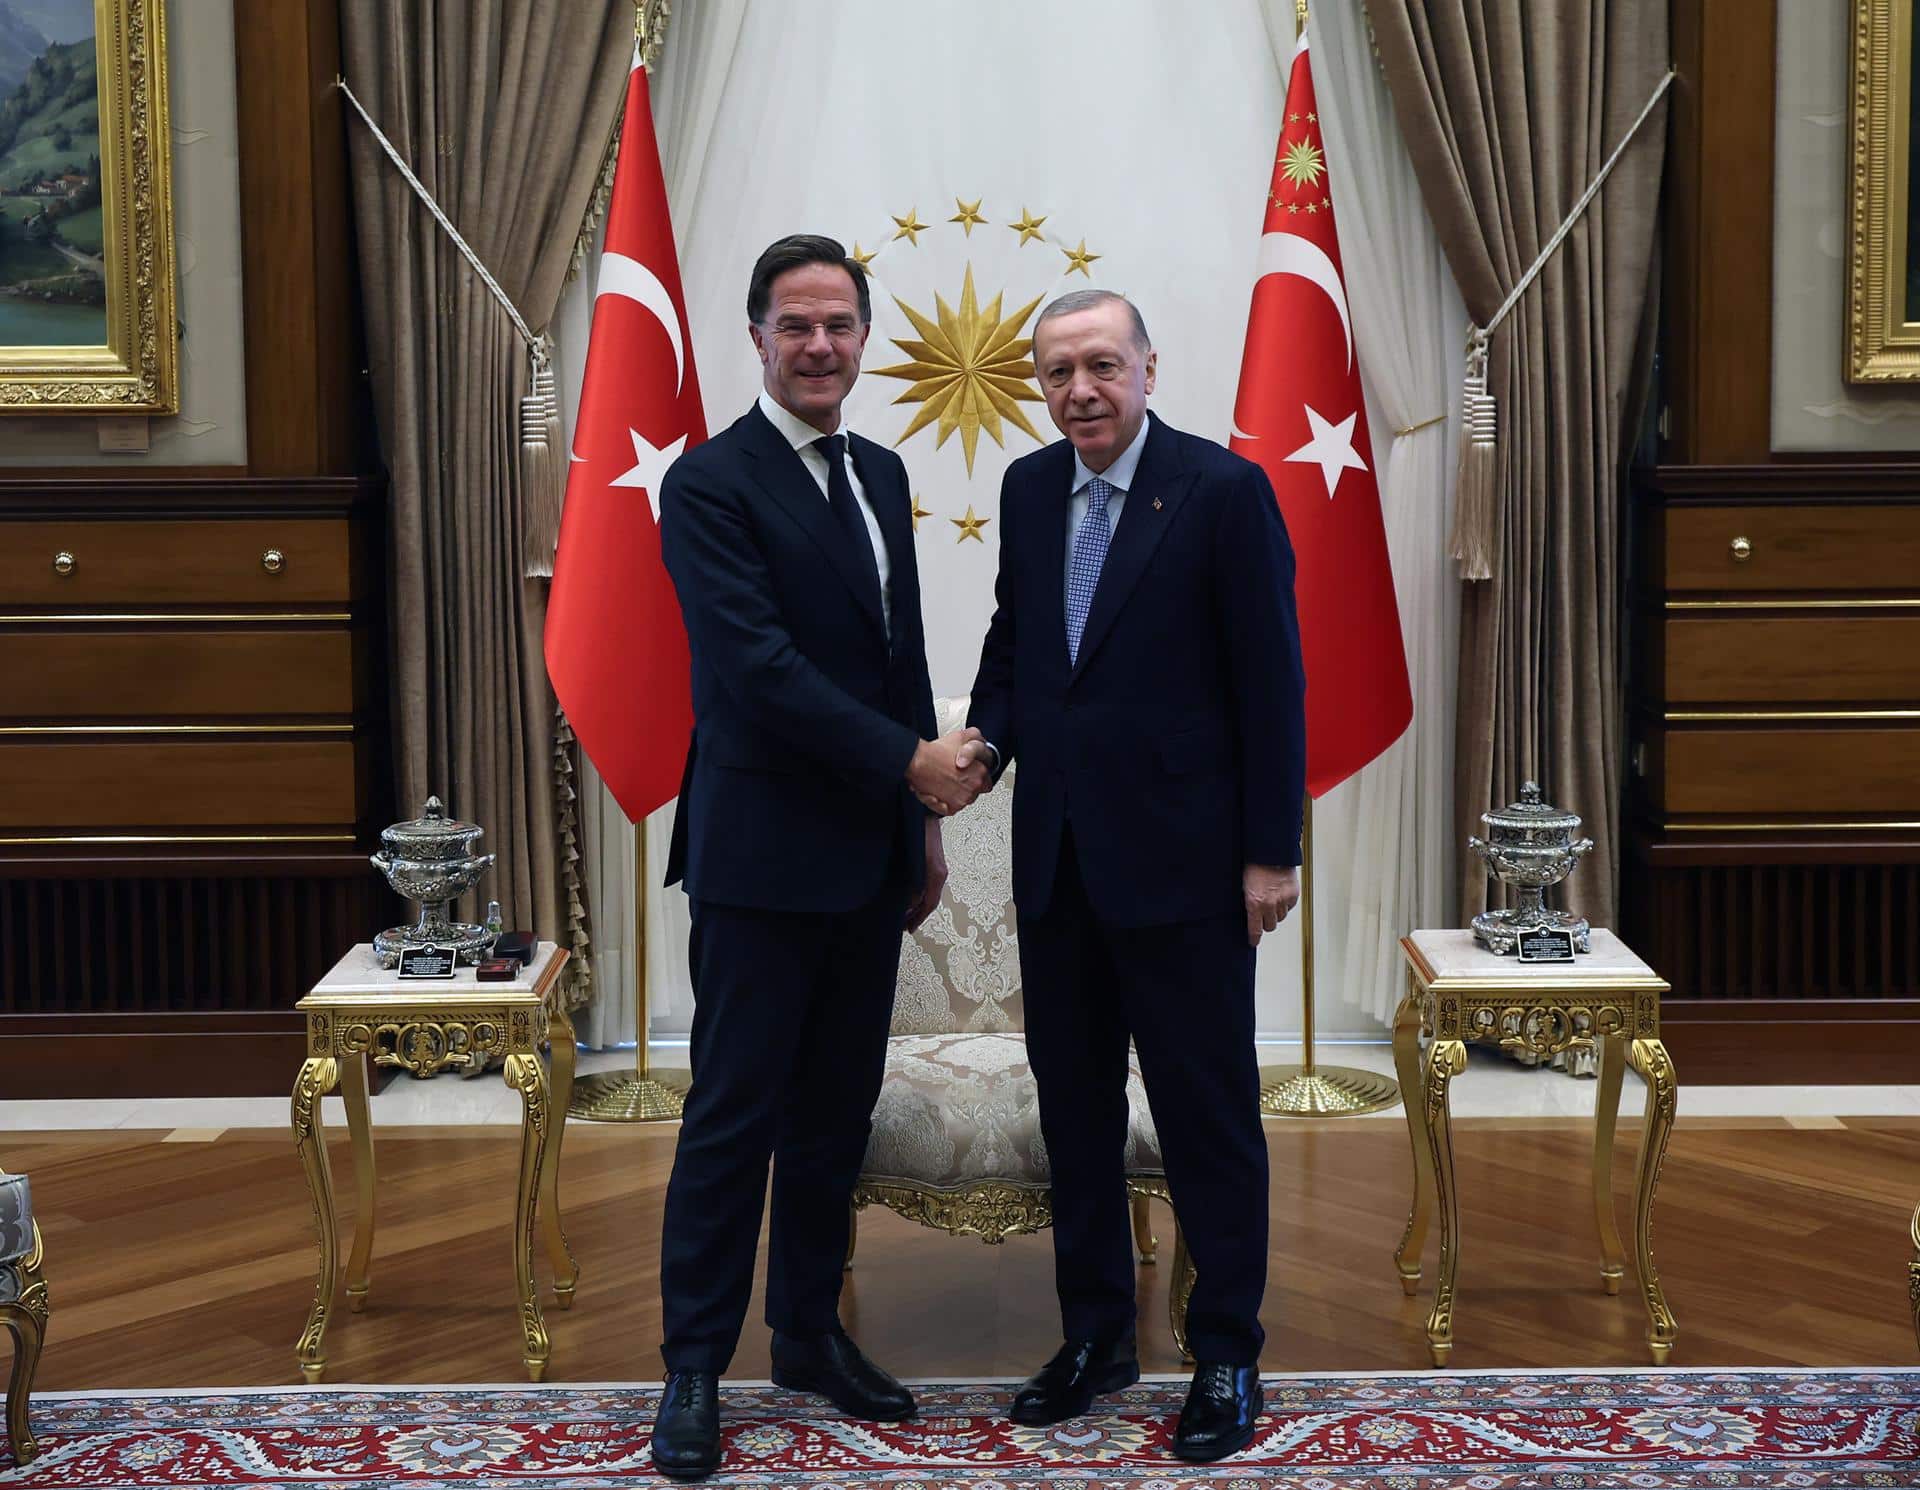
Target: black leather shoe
<point>686,1432</point>
<point>1222,1406</point>
<point>833,1366</point>
<point>1079,1371</point>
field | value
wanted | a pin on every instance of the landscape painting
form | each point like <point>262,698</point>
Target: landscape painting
<point>53,286</point>
<point>87,298</point>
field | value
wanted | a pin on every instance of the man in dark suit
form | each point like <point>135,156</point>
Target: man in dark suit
<point>800,843</point>
<point>1143,664</point>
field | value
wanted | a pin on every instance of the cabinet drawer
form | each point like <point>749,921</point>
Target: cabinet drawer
<point>199,673</point>
<point>1809,658</point>
<point>1765,773</point>
<point>1833,548</point>
<point>64,785</point>
<point>225,562</point>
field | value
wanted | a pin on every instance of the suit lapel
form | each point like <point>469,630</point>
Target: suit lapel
<point>1160,485</point>
<point>1048,523</point>
<point>891,509</point>
<point>780,472</point>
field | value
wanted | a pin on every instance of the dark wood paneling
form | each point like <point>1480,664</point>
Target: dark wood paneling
<point>259,672</point>
<point>1718,260</point>
<point>176,563</point>
<point>182,985</point>
<point>1802,659</point>
<point>296,227</point>
<point>1766,772</point>
<point>1849,548</point>
<point>1767,1041</point>
<point>120,786</point>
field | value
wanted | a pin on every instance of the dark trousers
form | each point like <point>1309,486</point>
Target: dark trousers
<point>789,1046</point>
<point>1184,993</point>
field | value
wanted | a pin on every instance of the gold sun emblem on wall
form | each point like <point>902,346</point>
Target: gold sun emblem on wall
<point>970,369</point>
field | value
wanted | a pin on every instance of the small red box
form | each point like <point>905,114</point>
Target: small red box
<point>496,970</point>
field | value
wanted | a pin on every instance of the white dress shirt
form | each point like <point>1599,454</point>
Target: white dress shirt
<point>1119,475</point>
<point>801,435</point>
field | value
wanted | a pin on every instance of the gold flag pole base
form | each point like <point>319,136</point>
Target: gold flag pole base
<point>1324,1091</point>
<point>627,1097</point>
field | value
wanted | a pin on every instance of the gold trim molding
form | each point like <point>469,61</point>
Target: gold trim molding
<point>88,840</point>
<point>137,370</point>
<point>1752,716</point>
<point>130,618</point>
<point>175,729</point>
<point>1883,344</point>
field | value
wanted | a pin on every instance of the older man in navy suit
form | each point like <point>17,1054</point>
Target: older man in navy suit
<point>800,842</point>
<point>1143,664</point>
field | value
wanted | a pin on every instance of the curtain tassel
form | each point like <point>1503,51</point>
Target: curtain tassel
<point>543,461</point>
<point>1472,543</point>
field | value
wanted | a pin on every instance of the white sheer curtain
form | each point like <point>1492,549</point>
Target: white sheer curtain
<point>726,98</point>
<point>1386,854</point>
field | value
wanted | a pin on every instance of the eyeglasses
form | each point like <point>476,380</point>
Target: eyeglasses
<point>840,328</point>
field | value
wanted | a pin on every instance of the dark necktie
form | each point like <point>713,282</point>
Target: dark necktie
<point>846,507</point>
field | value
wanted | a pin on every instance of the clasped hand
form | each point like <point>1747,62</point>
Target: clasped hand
<point>948,773</point>
<point>1270,891</point>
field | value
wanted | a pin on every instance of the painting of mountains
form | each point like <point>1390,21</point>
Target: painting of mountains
<point>52,275</point>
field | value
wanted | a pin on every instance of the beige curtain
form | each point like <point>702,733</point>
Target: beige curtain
<point>1509,109</point>
<point>503,109</point>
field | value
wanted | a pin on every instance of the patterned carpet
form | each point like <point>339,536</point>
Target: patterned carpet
<point>1672,1430</point>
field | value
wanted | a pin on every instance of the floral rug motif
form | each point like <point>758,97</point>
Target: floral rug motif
<point>1643,1430</point>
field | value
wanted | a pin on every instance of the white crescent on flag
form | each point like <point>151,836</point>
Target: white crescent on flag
<point>1289,253</point>
<point>620,275</point>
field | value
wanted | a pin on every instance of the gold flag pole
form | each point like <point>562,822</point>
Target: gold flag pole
<point>1307,1090</point>
<point>636,1096</point>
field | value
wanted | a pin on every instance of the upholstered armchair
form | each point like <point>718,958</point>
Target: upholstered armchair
<point>23,1305</point>
<point>956,1142</point>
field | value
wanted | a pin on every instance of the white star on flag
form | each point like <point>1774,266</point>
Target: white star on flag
<point>649,465</point>
<point>1331,448</point>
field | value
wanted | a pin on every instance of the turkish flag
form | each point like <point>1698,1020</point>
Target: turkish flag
<point>616,648</point>
<point>1300,415</point>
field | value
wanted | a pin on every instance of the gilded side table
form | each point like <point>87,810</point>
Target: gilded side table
<point>1607,1000</point>
<point>362,1011</point>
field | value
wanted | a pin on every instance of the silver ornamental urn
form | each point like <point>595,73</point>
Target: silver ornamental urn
<point>1529,846</point>
<point>431,860</point>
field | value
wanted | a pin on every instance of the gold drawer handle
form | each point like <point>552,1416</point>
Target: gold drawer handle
<point>273,561</point>
<point>1742,550</point>
<point>63,562</point>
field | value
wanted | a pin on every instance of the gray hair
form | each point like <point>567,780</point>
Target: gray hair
<point>1078,300</point>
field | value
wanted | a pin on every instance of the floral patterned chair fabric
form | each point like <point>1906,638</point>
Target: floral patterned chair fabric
<point>956,1141</point>
<point>23,1305</point>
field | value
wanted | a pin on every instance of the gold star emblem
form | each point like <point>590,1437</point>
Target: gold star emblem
<point>1301,164</point>
<point>1293,206</point>
<point>1027,227</point>
<point>1313,206</point>
<point>1313,118</point>
<point>862,259</point>
<point>919,512</point>
<point>1293,118</point>
<point>969,526</point>
<point>1079,258</point>
<point>910,227</point>
<point>970,369</point>
<point>968,215</point>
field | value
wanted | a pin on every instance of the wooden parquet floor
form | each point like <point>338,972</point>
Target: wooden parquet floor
<point>183,1261</point>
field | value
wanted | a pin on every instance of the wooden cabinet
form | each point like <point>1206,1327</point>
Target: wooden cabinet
<point>1773,866</point>
<point>193,768</point>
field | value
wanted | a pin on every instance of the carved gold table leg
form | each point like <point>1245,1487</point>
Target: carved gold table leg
<point>1143,1236</point>
<point>25,1318</point>
<point>1446,1059</point>
<point>353,1090</point>
<point>526,1076</point>
<point>1180,1289</point>
<point>1913,1277</point>
<point>317,1077</point>
<point>1610,1052</point>
<point>564,1047</point>
<point>1650,1059</point>
<point>1406,1061</point>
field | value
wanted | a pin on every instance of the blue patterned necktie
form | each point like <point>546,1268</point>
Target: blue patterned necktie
<point>1089,553</point>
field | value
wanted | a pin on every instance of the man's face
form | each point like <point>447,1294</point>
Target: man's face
<point>810,342</point>
<point>1096,379</point>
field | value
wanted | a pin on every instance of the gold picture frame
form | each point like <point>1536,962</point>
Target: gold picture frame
<point>89,332</point>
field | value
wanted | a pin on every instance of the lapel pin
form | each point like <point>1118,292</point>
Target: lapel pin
<point>1156,504</point>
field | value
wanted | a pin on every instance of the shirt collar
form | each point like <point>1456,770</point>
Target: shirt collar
<point>793,429</point>
<point>1119,475</point>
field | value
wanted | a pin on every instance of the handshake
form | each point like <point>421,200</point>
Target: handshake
<point>948,773</point>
